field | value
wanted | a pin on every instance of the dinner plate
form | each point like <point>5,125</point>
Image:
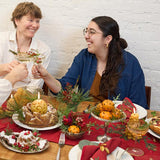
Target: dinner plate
<point>140,110</point>
<point>19,123</point>
<point>75,154</point>
<point>16,150</point>
<point>150,131</point>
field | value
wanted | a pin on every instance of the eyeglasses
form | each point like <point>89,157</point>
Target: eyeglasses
<point>90,32</point>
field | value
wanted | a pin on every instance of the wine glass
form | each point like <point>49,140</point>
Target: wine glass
<point>105,137</point>
<point>24,58</point>
<point>136,129</point>
<point>35,61</point>
<point>30,58</point>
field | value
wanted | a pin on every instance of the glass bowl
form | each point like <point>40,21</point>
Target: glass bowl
<point>137,132</point>
<point>73,136</point>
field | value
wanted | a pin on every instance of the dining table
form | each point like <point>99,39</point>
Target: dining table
<point>51,152</point>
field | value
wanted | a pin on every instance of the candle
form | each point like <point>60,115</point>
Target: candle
<point>38,95</point>
<point>134,110</point>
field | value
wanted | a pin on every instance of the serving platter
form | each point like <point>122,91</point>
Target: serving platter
<point>139,109</point>
<point>19,123</point>
<point>150,131</point>
<point>19,151</point>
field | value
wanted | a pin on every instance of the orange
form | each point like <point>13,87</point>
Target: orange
<point>73,129</point>
<point>99,107</point>
<point>108,105</point>
<point>106,115</point>
<point>117,113</point>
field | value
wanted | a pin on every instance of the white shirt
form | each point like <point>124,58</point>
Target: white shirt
<point>5,90</point>
<point>8,42</point>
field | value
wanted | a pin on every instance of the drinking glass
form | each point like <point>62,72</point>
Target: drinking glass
<point>137,132</point>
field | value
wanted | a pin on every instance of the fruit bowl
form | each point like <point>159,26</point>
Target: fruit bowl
<point>73,136</point>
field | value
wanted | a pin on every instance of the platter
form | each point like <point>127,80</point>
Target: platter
<point>75,154</point>
<point>140,110</point>
<point>150,131</point>
<point>16,150</point>
<point>112,121</point>
<point>16,121</point>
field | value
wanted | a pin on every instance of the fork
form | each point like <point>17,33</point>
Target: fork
<point>61,144</point>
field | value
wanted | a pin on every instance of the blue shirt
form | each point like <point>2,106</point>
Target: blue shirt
<point>131,83</point>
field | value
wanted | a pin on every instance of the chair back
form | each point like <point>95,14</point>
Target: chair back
<point>148,95</point>
<point>45,89</point>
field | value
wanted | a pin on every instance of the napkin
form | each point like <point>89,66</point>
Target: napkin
<point>127,107</point>
<point>91,152</point>
<point>2,126</point>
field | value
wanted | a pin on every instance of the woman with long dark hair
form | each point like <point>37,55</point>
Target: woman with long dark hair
<point>104,68</point>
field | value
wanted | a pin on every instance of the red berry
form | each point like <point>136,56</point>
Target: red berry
<point>38,143</point>
<point>15,144</point>
<point>13,136</point>
<point>35,134</point>
<point>19,145</point>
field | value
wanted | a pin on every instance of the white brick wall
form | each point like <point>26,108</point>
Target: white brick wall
<point>63,21</point>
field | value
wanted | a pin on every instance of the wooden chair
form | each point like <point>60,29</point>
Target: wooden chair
<point>45,89</point>
<point>148,95</point>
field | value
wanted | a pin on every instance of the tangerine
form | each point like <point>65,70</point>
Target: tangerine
<point>117,113</point>
<point>108,105</point>
<point>73,129</point>
<point>106,115</point>
<point>99,107</point>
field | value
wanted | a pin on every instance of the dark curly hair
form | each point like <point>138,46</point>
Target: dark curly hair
<point>115,62</point>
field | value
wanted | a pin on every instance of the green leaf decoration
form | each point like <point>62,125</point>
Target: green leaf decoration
<point>153,113</point>
<point>15,53</point>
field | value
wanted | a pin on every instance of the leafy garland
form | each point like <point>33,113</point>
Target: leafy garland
<point>120,129</point>
<point>71,97</point>
<point>16,106</point>
<point>77,119</point>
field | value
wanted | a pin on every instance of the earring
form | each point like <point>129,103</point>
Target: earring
<point>106,45</point>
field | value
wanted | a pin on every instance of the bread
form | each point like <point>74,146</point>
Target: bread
<point>154,125</point>
<point>37,119</point>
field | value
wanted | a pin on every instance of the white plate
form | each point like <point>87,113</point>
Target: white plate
<point>140,110</point>
<point>16,121</point>
<point>16,150</point>
<point>150,131</point>
<point>75,154</point>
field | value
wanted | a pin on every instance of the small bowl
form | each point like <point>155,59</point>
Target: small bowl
<point>74,135</point>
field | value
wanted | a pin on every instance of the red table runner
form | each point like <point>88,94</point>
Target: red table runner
<point>53,136</point>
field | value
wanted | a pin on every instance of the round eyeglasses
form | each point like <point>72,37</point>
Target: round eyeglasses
<point>90,31</point>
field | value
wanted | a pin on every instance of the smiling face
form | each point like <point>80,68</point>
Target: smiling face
<point>27,26</point>
<point>94,38</point>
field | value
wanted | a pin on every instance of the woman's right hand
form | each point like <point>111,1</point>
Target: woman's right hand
<point>38,71</point>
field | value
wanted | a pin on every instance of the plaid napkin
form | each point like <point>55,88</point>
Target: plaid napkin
<point>127,107</point>
<point>91,152</point>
